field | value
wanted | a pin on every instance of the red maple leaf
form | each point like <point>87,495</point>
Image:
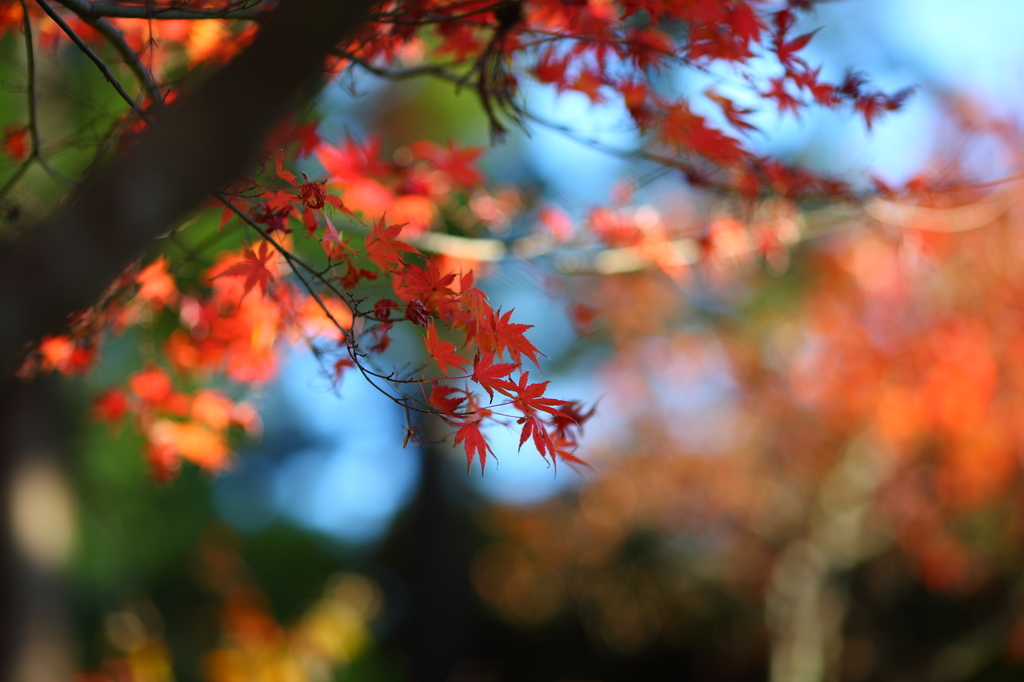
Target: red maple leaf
<point>339,368</point>
<point>550,69</point>
<point>649,47</point>
<point>688,131</point>
<point>280,171</point>
<point>417,313</point>
<point>787,50</point>
<point>529,398</point>
<point>533,426</point>
<point>734,115</point>
<point>852,83</point>
<point>569,417</point>
<point>383,247</point>
<point>588,82</point>
<point>504,335</point>
<point>313,195</point>
<point>809,79</point>
<point>783,99</point>
<point>870,107</point>
<point>490,376</point>
<point>443,352</point>
<point>745,24</point>
<point>475,443</point>
<point>253,268</point>
<point>440,397</point>
<point>426,284</point>
<point>555,446</point>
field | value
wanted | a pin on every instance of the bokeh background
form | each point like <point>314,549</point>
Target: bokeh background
<point>806,459</point>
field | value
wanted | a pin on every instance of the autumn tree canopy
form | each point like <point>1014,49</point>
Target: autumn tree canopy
<point>341,259</point>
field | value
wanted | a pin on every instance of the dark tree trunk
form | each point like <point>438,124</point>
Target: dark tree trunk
<point>194,148</point>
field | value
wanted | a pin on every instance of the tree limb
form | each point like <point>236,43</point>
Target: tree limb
<point>192,149</point>
<point>95,10</point>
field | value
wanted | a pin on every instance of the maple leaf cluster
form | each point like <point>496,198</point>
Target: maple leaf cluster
<point>606,50</point>
<point>245,307</point>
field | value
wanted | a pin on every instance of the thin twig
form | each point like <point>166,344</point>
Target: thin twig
<point>116,38</point>
<point>100,64</point>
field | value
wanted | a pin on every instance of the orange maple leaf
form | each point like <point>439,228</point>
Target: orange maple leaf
<point>253,268</point>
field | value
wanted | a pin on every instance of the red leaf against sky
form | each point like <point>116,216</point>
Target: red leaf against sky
<point>339,368</point>
<point>823,93</point>
<point>852,83</point>
<point>441,398</point>
<point>530,397</point>
<point>745,24</point>
<point>505,335</point>
<point>554,446</point>
<point>589,82</point>
<point>732,114</point>
<point>551,69</point>
<point>688,131</point>
<point>786,51</point>
<point>649,47</point>
<point>490,376</point>
<point>570,416</point>
<point>573,45</point>
<point>784,100</point>
<point>443,352</point>
<point>533,426</point>
<point>870,108</point>
<point>476,445</point>
<point>253,268</point>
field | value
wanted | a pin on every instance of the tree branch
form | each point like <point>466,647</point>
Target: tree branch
<point>107,30</point>
<point>95,10</point>
<point>95,58</point>
<point>191,150</point>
